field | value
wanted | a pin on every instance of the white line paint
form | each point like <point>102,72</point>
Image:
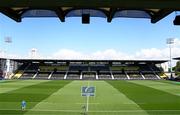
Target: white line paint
<point>87,101</point>
<point>119,111</point>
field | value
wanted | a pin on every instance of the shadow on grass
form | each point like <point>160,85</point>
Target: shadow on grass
<point>31,94</point>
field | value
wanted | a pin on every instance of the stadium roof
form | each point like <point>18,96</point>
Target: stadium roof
<point>178,58</point>
<point>151,9</point>
<point>60,60</point>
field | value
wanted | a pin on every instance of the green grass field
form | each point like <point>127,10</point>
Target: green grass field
<point>111,98</point>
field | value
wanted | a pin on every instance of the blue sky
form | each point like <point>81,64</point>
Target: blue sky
<point>123,36</point>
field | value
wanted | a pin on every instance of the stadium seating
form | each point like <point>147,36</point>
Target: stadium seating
<point>58,75</point>
<point>99,68</point>
<point>89,75</point>
<point>119,75</point>
<point>49,68</point>
<point>18,74</point>
<point>92,71</point>
<point>150,76</point>
<point>1,74</point>
<point>78,68</point>
<point>134,74</point>
<point>1,78</point>
<point>27,75</point>
<point>32,68</point>
<point>42,75</point>
<point>104,75</point>
<point>73,75</point>
<point>23,66</point>
<point>149,72</point>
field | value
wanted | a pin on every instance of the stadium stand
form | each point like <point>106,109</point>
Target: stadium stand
<point>73,75</point>
<point>28,70</point>
<point>99,68</point>
<point>42,75</point>
<point>74,71</point>
<point>104,75</point>
<point>118,73</point>
<point>89,75</point>
<point>120,76</point>
<point>27,75</point>
<point>148,72</point>
<point>18,74</point>
<point>51,68</point>
<point>1,74</point>
<point>134,75</point>
<point>88,69</point>
<point>58,75</point>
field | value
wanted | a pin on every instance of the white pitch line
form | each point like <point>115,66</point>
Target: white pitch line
<point>120,111</point>
<point>87,107</point>
<point>87,102</point>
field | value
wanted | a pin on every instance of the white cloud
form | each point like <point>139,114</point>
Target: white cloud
<point>110,54</point>
<point>106,54</point>
<point>152,54</point>
<point>2,54</point>
<point>177,42</point>
<point>68,54</point>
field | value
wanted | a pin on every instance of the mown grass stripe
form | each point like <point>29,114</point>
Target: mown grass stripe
<point>8,81</point>
<point>11,85</point>
<point>148,98</point>
<point>110,99</point>
<point>169,82</point>
<point>65,98</point>
<point>163,86</point>
<point>32,94</point>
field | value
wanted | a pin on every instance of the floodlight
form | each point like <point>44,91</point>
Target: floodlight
<point>170,42</point>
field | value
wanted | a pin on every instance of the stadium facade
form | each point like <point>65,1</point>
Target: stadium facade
<point>82,69</point>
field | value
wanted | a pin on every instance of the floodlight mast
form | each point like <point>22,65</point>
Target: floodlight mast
<point>170,42</point>
<point>7,40</point>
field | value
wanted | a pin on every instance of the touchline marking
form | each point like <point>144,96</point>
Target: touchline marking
<point>120,111</point>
